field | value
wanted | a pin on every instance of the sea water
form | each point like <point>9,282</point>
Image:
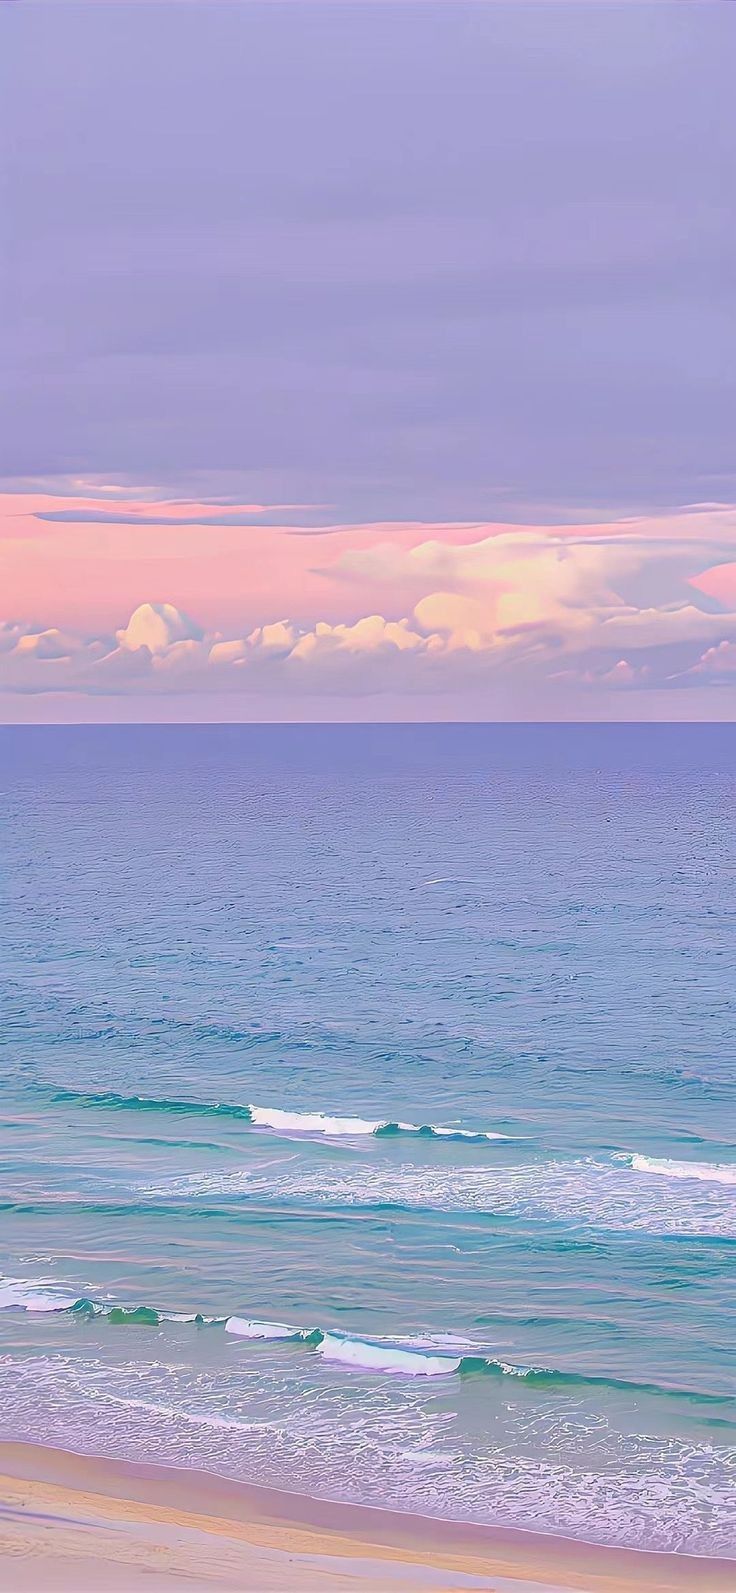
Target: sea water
<point>368,1114</point>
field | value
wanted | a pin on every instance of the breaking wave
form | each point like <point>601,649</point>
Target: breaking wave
<point>20,1294</point>
<point>271,1117</point>
<point>703,1172</point>
<point>434,1355</point>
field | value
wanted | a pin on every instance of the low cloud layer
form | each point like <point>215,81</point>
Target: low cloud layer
<point>633,608</point>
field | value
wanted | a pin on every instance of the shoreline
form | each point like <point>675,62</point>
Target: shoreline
<point>66,1517</point>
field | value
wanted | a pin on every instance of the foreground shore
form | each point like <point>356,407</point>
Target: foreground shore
<point>67,1521</point>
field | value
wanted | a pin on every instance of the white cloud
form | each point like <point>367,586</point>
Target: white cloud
<point>11,632</point>
<point>156,626</point>
<point>182,656</point>
<point>569,588</point>
<point>372,634</point>
<point>622,673</point>
<point>462,621</point>
<point>545,609</point>
<point>48,644</point>
<point>278,637</point>
<point>166,650</point>
<point>234,652</point>
<point>717,661</point>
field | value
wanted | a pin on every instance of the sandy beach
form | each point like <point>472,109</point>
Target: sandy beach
<point>68,1521</point>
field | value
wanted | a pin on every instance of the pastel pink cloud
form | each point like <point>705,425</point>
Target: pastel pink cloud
<point>410,607</point>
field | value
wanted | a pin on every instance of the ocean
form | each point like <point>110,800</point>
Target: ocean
<point>368,1114</point>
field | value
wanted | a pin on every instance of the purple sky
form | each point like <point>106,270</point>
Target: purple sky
<point>384,262</point>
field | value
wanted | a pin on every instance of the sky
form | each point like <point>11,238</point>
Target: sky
<point>367,360</point>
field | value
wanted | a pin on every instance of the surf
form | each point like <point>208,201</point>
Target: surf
<point>426,1356</point>
<point>701,1172</point>
<point>278,1119</point>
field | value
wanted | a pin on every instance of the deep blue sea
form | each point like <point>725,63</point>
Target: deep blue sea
<point>368,1114</point>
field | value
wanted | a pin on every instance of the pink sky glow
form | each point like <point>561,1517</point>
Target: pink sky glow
<point>557,616</point>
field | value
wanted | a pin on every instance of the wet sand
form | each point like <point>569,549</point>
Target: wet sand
<point>68,1521</point>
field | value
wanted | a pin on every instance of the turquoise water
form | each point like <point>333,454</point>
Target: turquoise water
<point>516,942</point>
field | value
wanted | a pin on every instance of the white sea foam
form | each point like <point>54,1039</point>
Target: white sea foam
<point>248,1328</point>
<point>204,1418</point>
<point>455,1133</point>
<point>355,1127</point>
<point>373,1356</point>
<point>432,1458</point>
<point>581,1191</point>
<point>448,879</point>
<point>704,1172</point>
<point>182,1316</point>
<point>570,1471</point>
<point>29,1295</point>
<point>439,1341</point>
<point>310,1122</point>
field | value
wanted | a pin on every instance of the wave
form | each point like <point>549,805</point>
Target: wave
<point>251,1328</point>
<point>272,1117</point>
<point>442,1355</point>
<point>431,1355</point>
<point>368,1355</point>
<point>378,1355</point>
<point>703,1172</point>
<point>108,1099</point>
<point>39,1295</point>
<point>355,1127</point>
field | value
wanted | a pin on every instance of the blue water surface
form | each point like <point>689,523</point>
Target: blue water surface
<point>522,936</point>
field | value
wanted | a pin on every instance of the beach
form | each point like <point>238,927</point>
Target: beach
<point>69,1521</point>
